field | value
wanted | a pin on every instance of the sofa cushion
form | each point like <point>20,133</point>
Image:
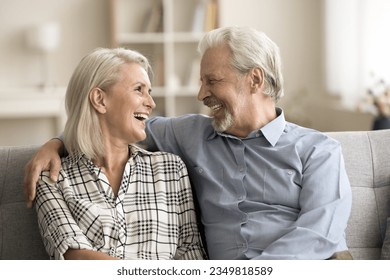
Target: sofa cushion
<point>366,157</point>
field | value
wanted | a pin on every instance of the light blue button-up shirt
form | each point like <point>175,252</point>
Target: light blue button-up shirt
<point>280,193</point>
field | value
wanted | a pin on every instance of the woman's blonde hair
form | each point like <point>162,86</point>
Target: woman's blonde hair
<point>99,69</point>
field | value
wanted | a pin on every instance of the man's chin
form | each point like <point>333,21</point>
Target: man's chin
<point>222,122</point>
<point>220,126</point>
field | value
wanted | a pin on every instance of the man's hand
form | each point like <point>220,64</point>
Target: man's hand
<point>46,158</point>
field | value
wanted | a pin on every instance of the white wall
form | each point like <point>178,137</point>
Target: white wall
<point>84,26</point>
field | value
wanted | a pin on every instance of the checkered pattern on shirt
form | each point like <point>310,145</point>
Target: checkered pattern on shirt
<point>152,216</point>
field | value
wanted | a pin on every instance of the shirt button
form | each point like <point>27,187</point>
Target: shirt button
<point>112,250</point>
<point>119,250</point>
<point>241,169</point>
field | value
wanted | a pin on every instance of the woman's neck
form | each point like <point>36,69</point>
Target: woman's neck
<point>113,164</point>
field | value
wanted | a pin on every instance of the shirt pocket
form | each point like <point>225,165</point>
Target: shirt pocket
<point>207,181</point>
<point>212,193</point>
<point>282,187</point>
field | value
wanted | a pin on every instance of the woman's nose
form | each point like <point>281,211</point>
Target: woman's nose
<point>150,102</point>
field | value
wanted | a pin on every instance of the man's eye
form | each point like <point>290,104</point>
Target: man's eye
<point>138,89</point>
<point>213,81</point>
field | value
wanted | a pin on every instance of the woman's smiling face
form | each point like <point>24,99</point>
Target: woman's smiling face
<point>128,104</point>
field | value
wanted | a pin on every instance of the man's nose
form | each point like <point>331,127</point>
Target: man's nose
<point>203,92</point>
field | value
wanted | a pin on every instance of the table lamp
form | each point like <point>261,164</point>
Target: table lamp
<point>44,39</point>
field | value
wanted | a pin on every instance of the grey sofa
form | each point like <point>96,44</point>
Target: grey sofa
<point>367,159</point>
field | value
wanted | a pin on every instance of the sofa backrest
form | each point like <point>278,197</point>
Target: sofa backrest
<point>19,234</point>
<point>367,160</point>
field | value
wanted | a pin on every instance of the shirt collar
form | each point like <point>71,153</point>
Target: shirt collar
<point>274,129</point>
<point>271,131</point>
<point>78,156</point>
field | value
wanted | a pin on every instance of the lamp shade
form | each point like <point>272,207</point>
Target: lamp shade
<point>44,37</point>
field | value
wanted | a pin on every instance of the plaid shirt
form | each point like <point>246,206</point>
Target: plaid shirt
<point>152,216</point>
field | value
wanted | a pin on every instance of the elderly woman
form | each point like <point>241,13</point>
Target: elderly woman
<point>112,199</point>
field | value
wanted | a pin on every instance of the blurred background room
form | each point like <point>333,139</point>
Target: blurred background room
<point>335,56</point>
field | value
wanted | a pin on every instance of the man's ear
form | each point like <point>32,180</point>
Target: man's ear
<point>97,99</point>
<point>257,79</point>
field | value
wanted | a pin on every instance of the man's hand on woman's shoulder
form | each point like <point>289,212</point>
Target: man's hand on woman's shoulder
<point>46,158</point>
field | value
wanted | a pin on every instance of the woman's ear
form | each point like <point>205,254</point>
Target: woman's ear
<point>257,79</point>
<point>97,98</point>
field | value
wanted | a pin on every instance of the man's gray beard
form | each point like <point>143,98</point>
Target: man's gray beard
<point>225,123</point>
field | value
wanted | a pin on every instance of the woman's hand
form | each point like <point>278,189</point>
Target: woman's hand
<point>76,254</point>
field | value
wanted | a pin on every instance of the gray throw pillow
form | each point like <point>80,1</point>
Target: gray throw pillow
<point>385,255</point>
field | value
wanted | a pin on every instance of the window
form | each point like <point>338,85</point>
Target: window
<point>357,47</point>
